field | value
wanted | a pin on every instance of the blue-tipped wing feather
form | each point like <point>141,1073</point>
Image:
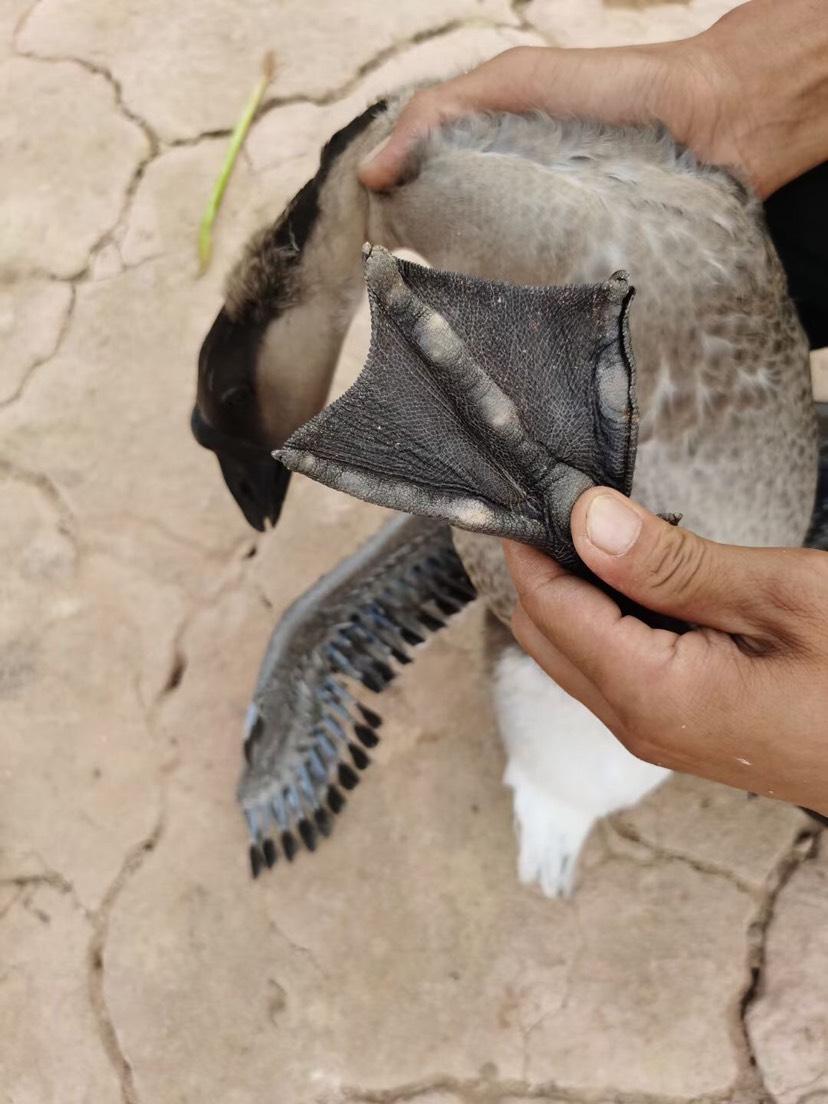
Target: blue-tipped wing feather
<point>307,734</point>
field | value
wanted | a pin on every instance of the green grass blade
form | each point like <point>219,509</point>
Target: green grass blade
<point>205,230</point>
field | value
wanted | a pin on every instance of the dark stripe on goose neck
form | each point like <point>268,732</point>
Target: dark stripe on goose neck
<point>294,228</point>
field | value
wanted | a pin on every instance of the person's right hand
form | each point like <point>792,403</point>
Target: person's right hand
<point>742,698</point>
<point>750,93</point>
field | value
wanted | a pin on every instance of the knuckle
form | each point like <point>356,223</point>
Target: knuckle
<point>647,736</point>
<point>636,706</point>
<point>641,748</point>
<point>675,564</point>
<point>793,601</point>
<point>812,571</point>
<point>780,595</point>
<point>629,732</point>
<point>642,740</point>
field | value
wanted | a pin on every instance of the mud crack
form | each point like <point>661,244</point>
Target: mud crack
<point>626,832</point>
<point>152,140</point>
<point>490,1090</point>
<point>100,920</point>
<point>805,847</point>
<point>63,330</point>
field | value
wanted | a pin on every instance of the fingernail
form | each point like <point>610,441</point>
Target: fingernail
<point>378,148</point>
<point>612,525</point>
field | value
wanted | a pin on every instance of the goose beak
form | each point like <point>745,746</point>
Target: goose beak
<point>255,479</point>
<point>258,488</point>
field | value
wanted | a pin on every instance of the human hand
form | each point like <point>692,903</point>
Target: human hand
<point>750,93</point>
<point>741,700</point>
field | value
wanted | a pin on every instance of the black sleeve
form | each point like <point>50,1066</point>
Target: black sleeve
<point>798,221</point>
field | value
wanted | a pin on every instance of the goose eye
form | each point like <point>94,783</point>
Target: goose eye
<point>236,397</point>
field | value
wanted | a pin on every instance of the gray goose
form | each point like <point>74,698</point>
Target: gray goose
<point>727,431</point>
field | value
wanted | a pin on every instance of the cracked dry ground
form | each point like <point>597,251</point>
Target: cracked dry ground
<point>138,963</point>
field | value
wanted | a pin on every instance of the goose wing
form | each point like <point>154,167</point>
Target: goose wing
<point>308,726</point>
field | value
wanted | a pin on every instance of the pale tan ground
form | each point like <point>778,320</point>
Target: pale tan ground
<point>138,962</point>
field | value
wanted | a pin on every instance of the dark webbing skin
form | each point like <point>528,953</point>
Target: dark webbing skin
<point>490,405</point>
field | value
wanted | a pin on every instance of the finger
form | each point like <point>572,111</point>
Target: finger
<point>614,652</point>
<point>385,165</point>
<point>508,82</point>
<point>648,686</point>
<point>671,570</point>
<point>653,690</point>
<point>666,728</point>
<point>530,563</point>
<point>620,85</point>
<point>561,669</point>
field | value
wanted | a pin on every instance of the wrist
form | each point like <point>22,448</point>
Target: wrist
<point>762,75</point>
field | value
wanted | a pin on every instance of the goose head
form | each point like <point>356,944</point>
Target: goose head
<point>266,364</point>
<point>263,370</point>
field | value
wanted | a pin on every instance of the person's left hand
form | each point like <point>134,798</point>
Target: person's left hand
<point>742,700</point>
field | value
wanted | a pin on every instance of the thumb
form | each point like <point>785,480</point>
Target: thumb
<point>669,569</point>
<point>385,165</point>
<point>513,82</point>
